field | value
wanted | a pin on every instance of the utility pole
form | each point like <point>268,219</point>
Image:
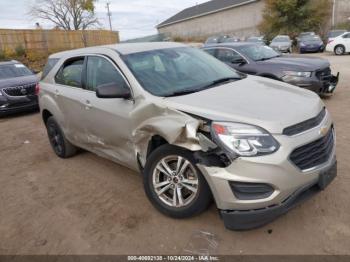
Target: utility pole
<point>333,15</point>
<point>109,14</point>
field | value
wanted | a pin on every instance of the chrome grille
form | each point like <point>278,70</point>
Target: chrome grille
<point>306,125</point>
<point>314,154</point>
<point>22,90</point>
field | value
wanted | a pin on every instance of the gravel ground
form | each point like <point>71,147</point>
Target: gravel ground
<point>89,205</point>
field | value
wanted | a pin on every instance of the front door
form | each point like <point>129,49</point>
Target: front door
<point>107,121</point>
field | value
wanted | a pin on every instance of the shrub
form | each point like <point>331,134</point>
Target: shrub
<point>20,51</point>
<point>2,55</point>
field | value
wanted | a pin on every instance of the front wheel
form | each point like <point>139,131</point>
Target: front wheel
<point>173,183</point>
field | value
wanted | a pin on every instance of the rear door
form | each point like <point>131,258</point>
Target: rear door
<point>67,94</point>
<point>106,122</point>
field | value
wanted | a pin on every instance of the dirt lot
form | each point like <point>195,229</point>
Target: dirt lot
<point>88,205</point>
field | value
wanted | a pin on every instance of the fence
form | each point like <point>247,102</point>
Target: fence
<point>54,40</point>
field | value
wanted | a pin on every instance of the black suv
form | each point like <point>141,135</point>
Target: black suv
<point>18,88</point>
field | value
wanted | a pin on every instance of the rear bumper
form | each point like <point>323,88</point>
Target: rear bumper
<point>245,220</point>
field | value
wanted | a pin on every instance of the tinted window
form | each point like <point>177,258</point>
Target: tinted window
<point>100,72</point>
<point>281,39</point>
<point>49,65</point>
<point>257,52</point>
<point>210,51</point>
<point>70,73</point>
<point>227,55</point>
<point>167,71</point>
<point>14,70</point>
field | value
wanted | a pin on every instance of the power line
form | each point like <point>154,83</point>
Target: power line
<point>109,14</point>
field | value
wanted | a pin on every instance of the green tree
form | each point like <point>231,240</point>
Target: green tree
<point>66,14</point>
<point>294,16</point>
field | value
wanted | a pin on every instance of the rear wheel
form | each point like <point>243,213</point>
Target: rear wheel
<point>173,183</point>
<point>339,50</point>
<point>60,145</point>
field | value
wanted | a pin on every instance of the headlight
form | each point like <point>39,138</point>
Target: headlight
<point>244,140</point>
<point>297,74</point>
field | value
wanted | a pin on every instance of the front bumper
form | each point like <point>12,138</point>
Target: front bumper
<point>243,220</point>
<point>289,183</point>
<point>318,85</point>
<point>311,48</point>
<point>12,105</point>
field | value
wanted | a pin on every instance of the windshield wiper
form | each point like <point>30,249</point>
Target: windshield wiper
<point>267,58</point>
<point>183,92</point>
<point>212,84</point>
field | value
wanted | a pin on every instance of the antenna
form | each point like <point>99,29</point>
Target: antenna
<point>109,14</point>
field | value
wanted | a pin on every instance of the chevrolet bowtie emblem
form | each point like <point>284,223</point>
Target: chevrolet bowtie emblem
<point>324,131</point>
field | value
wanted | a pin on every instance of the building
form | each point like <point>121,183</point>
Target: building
<point>234,17</point>
<point>238,17</point>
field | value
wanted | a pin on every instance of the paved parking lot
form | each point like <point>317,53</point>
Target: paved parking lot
<point>89,205</point>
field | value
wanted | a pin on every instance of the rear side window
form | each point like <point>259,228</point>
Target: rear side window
<point>346,36</point>
<point>51,62</point>
<point>70,73</point>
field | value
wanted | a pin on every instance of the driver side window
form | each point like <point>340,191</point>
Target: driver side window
<point>228,55</point>
<point>101,72</point>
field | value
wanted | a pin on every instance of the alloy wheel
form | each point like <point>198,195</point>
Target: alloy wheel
<point>56,138</point>
<point>175,181</point>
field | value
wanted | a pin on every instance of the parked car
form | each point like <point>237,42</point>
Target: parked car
<point>282,43</point>
<point>194,127</point>
<point>303,34</point>
<point>18,88</point>
<point>334,33</point>
<point>231,40</point>
<point>311,43</point>
<point>256,39</point>
<point>339,45</point>
<point>221,39</point>
<point>306,72</point>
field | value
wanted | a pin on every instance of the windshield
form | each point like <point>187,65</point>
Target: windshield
<point>311,38</point>
<point>254,39</point>
<point>258,52</point>
<point>281,39</point>
<point>336,33</point>
<point>14,70</point>
<point>167,72</point>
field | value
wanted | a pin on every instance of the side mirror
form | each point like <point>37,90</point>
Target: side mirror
<point>112,90</point>
<point>240,61</point>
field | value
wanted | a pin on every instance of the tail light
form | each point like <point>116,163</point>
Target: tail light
<point>37,89</point>
<point>330,41</point>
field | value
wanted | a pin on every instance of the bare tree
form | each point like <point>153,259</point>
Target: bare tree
<point>66,14</point>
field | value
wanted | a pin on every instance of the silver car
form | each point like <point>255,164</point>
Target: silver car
<point>196,129</point>
<point>282,43</point>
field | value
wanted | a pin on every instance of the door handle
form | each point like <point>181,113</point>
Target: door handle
<point>88,104</point>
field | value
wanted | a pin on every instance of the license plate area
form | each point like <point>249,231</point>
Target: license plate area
<point>326,177</point>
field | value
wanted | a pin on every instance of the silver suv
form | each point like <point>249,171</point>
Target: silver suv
<point>198,130</point>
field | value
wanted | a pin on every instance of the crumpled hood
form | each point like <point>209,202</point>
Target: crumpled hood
<point>298,62</point>
<point>17,81</point>
<point>269,104</point>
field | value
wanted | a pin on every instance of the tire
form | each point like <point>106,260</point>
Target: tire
<point>339,50</point>
<point>60,145</point>
<point>162,197</point>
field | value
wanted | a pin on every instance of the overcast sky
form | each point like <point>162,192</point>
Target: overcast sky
<point>133,18</point>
